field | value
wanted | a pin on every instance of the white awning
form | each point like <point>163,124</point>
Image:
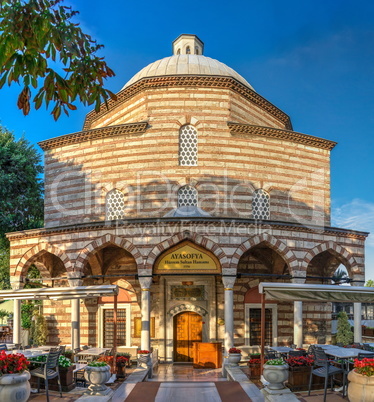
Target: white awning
<point>326,293</point>
<point>63,293</point>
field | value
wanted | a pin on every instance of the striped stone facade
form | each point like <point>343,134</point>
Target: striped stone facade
<point>244,144</point>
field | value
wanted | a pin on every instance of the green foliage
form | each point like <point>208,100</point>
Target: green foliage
<point>275,362</point>
<point>344,333</point>
<point>340,276</point>
<point>21,193</point>
<point>62,360</point>
<point>97,364</point>
<point>39,330</point>
<point>3,314</point>
<point>27,311</point>
<point>42,47</point>
<point>370,283</point>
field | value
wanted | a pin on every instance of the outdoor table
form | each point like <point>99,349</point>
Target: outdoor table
<point>345,353</point>
<point>47,348</point>
<point>28,353</point>
<point>93,351</point>
<point>281,349</point>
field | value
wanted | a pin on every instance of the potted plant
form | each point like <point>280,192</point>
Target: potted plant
<point>128,357</point>
<point>235,355</point>
<point>65,367</point>
<point>361,381</point>
<point>144,358</point>
<point>275,373</point>
<point>121,363</point>
<point>299,372</point>
<point>97,374</point>
<point>3,314</point>
<point>14,377</point>
<point>254,365</point>
<point>344,334</point>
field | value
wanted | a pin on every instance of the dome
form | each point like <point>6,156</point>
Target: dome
<point>185,63</point>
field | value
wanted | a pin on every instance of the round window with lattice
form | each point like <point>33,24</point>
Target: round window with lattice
<point>187,196</point>
<point>188,146</point>
<point>261,205</point>
<point>115,205</point>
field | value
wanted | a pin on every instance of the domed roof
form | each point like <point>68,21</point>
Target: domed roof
<point>183,63</point>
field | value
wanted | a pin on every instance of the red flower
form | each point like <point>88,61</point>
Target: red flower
<point>234,350</point>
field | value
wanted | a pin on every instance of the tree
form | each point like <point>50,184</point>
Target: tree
<point>340,276</point>
<point>21,193</point>
<point>370,283</point>
<point>44,51</point>
<point>344,333</point>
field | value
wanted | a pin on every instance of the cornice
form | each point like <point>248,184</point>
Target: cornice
<point>237,128</point>
<point>188,81</point>
<point>229,223</point>
<point>87,135</point>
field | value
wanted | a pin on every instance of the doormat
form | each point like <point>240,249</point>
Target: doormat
<point>231,391</point>
<point>144,392</point>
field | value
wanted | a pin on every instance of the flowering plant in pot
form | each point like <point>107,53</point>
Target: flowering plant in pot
<point>97,374</point>
<point>361,381</point>
<point>14,377</point>
<point>275,373</point>
<point>254,365</point>
<point>144,358</point>
<point>66,368</point>
<point>235,355</point>
<point>299,372</point>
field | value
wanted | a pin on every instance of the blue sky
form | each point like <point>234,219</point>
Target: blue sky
<point>312,59</point>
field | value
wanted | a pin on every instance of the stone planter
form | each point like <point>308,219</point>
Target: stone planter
<point>97,377</point>
<point>275,375</point>
<point>144,360</point>
<point>361,387</point>
<point>15,387</point>
<point>234,359</point>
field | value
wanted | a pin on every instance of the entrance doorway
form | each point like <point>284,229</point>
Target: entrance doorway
<point>188,328</point>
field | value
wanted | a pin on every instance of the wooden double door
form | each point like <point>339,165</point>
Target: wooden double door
<point>188,328</point>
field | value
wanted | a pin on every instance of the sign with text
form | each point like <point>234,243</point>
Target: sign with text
<point>187,257</point>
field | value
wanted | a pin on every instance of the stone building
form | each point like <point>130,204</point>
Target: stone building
<point>187,191</point>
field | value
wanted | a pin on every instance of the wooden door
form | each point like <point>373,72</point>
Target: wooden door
<point>188,327</point>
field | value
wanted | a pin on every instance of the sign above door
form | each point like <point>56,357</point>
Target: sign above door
<point>187,257</point>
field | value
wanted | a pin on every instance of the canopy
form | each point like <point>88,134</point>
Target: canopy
<point>73,292</point>
<point>324,293</point>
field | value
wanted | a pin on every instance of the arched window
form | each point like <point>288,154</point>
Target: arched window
<point>187,196</point>
<point>261,205</point>
<point>178,51</point>
<point>196,50</point>
<point>188,50</point>
<point>188,146</point>
<point>115,205</point>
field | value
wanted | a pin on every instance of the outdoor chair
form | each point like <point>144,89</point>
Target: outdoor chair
<point>62,349</point>
<point>48,371</point>
<point>361,356</point>
<point>296,353</point>
<point>3,346</point>
<point>85,347</point>
<point>293,346</point>
<point>17,346</point>
<point>271,355</point>
<point>367,347</point>
<point>323,368</point>
<point>75,357</point>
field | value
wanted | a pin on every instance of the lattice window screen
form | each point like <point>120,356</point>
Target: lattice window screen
<point>108,333</point>
<point>115,205</point>
<point>187,196</point>
<point>255,327</point>
<point>188,146</point>
<point>261,205</point>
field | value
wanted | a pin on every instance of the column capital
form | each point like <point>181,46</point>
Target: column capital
<point>228,282</point>
<point>145,282</point>
<point>17,282</point>
<point>75,279</point>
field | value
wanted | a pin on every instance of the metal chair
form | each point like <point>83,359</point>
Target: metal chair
<point>62,349</point>
<point>293,346</point>
<point>49,371</point>
<point>271,355</point>
<point>361,356</point>
<point>367,347</point>
<point>3,346</point>
<point>323,368</point>
<point>17,346</point>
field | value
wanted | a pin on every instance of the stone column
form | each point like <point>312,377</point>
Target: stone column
<point>75,324</point>
<point>357,322</point>
<point>75,280</point>
<point>228,283</point>
<point>145,337</point>
<point>298,323</point>
<point>298,312</point>
<point>16,284</point>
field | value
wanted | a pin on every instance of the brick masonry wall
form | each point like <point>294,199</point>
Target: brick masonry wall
<point>230,167</point>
